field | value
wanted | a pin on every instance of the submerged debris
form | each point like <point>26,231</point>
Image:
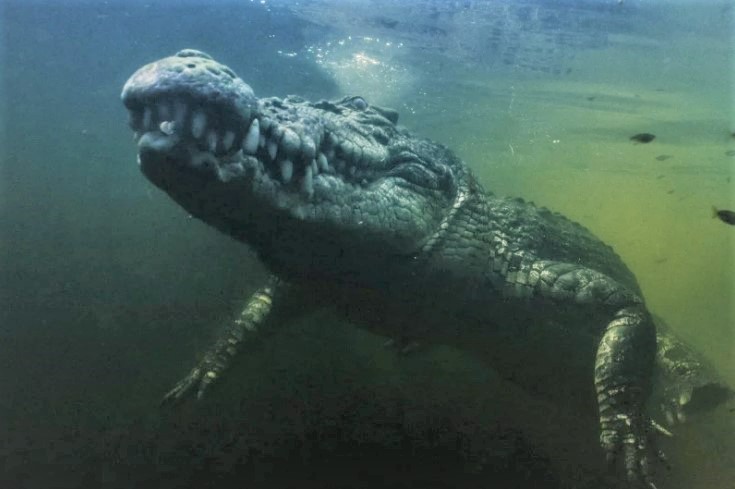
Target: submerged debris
<point>643,137</point>
<point>723,215</point>
<point>664,157</point>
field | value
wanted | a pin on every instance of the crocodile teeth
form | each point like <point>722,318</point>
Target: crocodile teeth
<point>286,171</point>
<point>227,140</point>
<point>272,149</point>
<point>307,183</point>
<point>167,127</point>
<point>265,124</point>
<point>250,142</point>
<point>290,142</point>
<point>308,148</point>
<point>321,160</point>
<point>198,124</point>
<point>212,141</point>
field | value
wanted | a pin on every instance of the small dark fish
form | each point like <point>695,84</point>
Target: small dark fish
<point>664,157</point>
<point>671,191</point>
<point>643,137</point>
<point>660,177</point>
<point>591,98</point>
<point>730,152</point>
<point>723,215</point>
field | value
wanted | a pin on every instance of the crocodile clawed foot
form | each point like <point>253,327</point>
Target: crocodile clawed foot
<point>674,413</point>
<point>630,447</point>
<point>198,380</point>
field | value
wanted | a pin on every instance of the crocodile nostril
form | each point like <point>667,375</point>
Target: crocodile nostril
<point>191,65</point>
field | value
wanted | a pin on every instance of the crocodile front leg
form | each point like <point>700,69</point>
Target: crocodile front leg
<point>624,359</point>
<point>246,327</point>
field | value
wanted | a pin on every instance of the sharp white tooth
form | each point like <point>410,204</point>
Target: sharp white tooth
<point>685,398</point>
<point>286,171</point>
<point>314,168</point>
<point>261,141</point>
<point>250,143</point>
<point>167,127</point>
<point>272,149</point>
<point>322,162</point>
<point>307,183</point>
<point>164,111</point>
<point>212,141</point>
<point>290,142</point>
<point>180,111</point>
<point>308,148</point>
<point>227,140</point>
<point>147,118</point>
<point>198,124</point>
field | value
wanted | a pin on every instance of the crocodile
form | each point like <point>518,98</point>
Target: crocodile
<point>349,210</point>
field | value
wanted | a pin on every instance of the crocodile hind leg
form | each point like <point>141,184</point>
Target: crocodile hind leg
<point>622,380</point>
<point>247,326</point>
<point>624,359</point>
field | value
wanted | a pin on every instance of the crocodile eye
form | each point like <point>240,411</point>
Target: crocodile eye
<point>358,103</point>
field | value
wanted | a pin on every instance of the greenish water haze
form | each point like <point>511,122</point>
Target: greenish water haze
<point>108,292</point>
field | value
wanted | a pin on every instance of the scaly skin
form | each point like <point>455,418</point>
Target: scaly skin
<point>394,232</point>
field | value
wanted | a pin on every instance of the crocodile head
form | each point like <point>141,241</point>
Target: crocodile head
<point>287,176</point>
